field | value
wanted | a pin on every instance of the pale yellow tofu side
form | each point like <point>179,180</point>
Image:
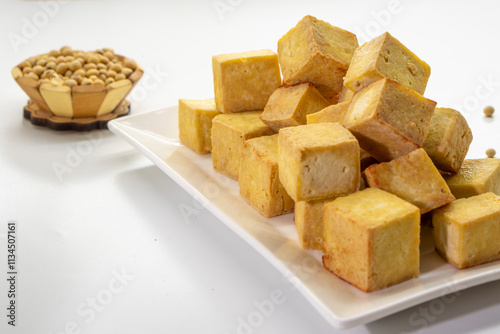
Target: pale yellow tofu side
<point>244,81</point>
<point>363,68</point>
<point>309,223</point>
<point>346,247</point>
<point>291,56</point>
<point>333,113</point>
<point>414,178</point>
<point>195,124</point>
<point>318,161</point>
<point>399,260</point>
<point>259,180</point>
<point>448,139</point>
<point>345,94</point>
<point>290,105</point>
<point>447,237</point>
<point>229,131</point>
<point>364,105</point>
<point>466,231</point>
<point>357,228</point>
<point>475,176</point>
<point>289,166</point>
<point>330,172</point>
<point>385,56</point>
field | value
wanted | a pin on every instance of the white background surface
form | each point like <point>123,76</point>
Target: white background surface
<point>116,215</point>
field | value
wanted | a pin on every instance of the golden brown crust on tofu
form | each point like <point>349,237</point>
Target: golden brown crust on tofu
<point>448,139</point>
<point>229,131</point>
<point>357,230</point>
<point>414,178</point>
<point>333,113</point>
<point>466,231</point>
<point>388,119</point>
<point>244,81</point>
<point>475,176</point>
<point>317,52</point>
<point>259,179</point>
<point>195,124</point>
<point>309,223</point>
<point>386,57</point>
<point>290,105</point>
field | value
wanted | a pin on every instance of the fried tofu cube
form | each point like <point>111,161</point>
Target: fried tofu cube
<point>195,124</point>
<point>259,179</point>
<point>475,176</point>
<point>318,161</point>
<point>448,139</point>
<point>333,113</point>
<point>414,178</point>
<point>345,94</point>
<point>388,119</point>
<point>466,231</point>
<point>309,222</point>
<point>336,113</point>
<point>244,81</point>
<point>317,52</point>
<point>371,239</point>
<point>385,57</point>
<point>229,131</point>
<point>362,184</point>
<point>366,159</point>
<point>290,105</point>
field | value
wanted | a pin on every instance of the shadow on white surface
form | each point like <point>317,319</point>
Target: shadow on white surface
<point>450,313</point>
<point>204,246</point>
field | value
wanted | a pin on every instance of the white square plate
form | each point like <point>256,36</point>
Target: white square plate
<point>155,134</point>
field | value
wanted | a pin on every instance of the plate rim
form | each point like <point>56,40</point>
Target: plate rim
<point>119,127</point>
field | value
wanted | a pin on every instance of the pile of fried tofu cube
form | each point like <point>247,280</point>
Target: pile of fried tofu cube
<point>342,135</point>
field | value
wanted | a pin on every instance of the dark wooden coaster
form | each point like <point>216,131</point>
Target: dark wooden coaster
<point>40,117</point>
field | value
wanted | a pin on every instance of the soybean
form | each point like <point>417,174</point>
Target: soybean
<point>75,65</point>
<point>71,83</point>
<point>120,76</point>
<point>62,68</point>
<point>71,68</point>
<point>488,111</point>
